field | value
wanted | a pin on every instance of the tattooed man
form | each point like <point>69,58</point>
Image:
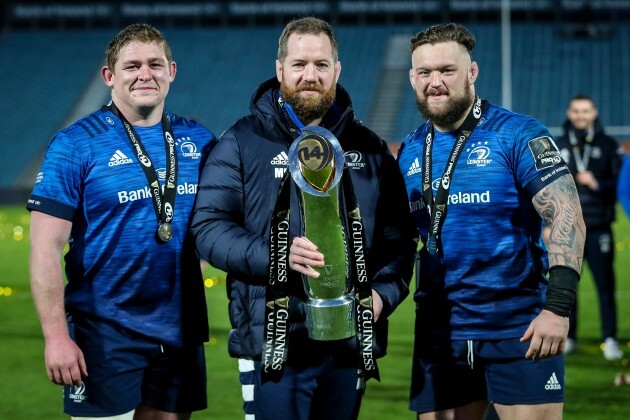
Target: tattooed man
<point>492,301</point>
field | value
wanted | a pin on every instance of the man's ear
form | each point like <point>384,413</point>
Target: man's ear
<point>279,71</point>
<point>173,70</point>
<point>108,76</point>
<point>473,72</point>
<point>337,70</point>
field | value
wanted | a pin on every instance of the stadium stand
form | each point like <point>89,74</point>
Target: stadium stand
<point>547,70</point>
<point>219,69</point>
<point>42,76</point>
<point>45,73</point>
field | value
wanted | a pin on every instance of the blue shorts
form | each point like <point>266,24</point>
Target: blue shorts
<point>126,369</point>
<point>317,391</point>
<point>448,374</point>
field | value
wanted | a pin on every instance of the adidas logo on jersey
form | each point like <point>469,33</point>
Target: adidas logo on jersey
<point>119,158</point>
<point>282,160</point>
<point>553,383</point>
<point>414,168</point>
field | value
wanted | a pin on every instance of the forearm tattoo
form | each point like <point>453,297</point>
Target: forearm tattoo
<point>559,206</point>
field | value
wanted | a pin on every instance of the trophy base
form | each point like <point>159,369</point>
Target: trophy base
<point>330,319</point>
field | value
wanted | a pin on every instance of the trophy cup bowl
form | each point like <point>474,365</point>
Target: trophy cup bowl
<point>316,163</point>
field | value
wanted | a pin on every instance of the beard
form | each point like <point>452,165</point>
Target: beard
<point>312,107</point>
<point>450,112</point>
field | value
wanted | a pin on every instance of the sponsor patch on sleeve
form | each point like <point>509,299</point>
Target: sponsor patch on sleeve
<point>545,152</point>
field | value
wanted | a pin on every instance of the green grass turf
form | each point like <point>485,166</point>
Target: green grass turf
<point>27,394</point>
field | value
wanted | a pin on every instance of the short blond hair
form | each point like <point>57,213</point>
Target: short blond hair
<point>140,32</point>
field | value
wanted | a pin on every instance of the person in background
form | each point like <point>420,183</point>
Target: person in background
<point>125,338</point>
<point>594,160</point>
<point>237,195</point>
<point>490,326</point>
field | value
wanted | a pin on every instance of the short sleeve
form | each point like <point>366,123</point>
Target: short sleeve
<point>538,158</point>
<point>57,189</point>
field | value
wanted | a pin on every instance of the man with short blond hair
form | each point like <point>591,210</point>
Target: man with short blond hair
<point>125,336</point>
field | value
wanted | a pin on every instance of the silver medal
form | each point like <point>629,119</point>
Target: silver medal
<point>165,232</point>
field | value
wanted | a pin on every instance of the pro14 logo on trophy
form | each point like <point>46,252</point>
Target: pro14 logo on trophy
<point>315,152</point>
<point>316,161</point>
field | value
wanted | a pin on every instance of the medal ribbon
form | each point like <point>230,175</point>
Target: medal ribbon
<point>359,275</point>
<point>276,332</point>
<point>276,338</point>
<point>437,207</point>
<point>163,204</point>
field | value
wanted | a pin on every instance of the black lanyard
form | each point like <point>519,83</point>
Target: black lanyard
<point>437,207</point>
<point>355,232</point>
<point>275,348</point>
<point>163,204</point>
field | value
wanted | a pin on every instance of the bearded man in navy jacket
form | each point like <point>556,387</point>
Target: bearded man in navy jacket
<point>237,194</point>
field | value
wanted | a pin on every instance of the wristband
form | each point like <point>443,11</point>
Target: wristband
<point>561,290</point>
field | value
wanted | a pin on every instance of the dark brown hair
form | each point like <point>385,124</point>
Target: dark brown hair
<point>445,32</point>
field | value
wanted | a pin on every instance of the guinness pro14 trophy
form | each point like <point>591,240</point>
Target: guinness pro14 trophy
<point>316,164</point>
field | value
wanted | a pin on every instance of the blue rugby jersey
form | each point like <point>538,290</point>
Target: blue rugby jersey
<point>116,268</point>
<point>490,281</point>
